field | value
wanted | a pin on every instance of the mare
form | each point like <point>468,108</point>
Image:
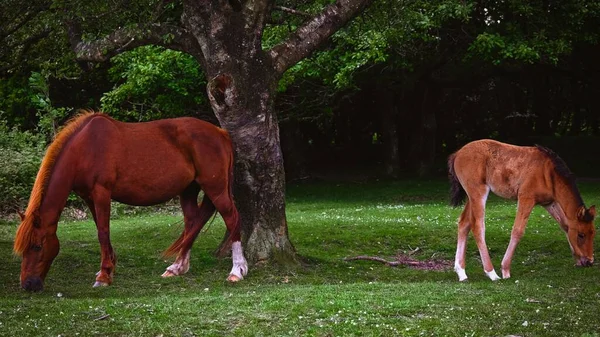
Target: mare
<point>142,164</point>
<point>531,175</point>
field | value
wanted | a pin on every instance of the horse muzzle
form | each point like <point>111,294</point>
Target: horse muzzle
<point>584,262</point>
<point>33,284</point>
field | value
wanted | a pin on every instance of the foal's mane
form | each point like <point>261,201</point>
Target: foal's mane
<point>24,234</point>
<point>562,170</point>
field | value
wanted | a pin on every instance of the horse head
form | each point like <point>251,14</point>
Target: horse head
<point>581,236</point>
<point>38,245</point>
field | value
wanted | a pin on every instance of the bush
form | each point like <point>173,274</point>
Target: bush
<point>152,83</point>
<point>21,153</point>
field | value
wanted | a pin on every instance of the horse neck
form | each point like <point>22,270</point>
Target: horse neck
<point>568,198</point>
<point>57,191</point>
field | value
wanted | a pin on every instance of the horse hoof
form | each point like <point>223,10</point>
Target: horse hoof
<point>233,278</point>
<point>168,273</point>
<point>100,284</point>
<point>492,275</point>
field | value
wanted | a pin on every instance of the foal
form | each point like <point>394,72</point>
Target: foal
<point>532,176</point>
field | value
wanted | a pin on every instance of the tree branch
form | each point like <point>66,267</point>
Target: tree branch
<point>406,260</point>
<point>28,17</point>
<point>128,38</point>
<point>313,33</point>
<point>25,46</point>
<point>256,13</point>
<point>292,11</point>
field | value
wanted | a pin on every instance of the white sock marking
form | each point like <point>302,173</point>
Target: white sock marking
<point>462,275</point>
<point>492,275</point>
<point>460,248</point>
<point>181,265</point>
<point>240,266</point>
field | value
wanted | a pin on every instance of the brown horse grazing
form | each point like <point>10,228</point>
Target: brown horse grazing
<point>533,176</point>
<point>140,164</point>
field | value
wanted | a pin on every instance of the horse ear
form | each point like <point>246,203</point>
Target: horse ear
<point>21,214</point>
<point>592,211</point>
<point>581,212</point>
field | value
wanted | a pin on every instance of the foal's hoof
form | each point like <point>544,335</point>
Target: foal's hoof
<point>100,284</point>
<point>233,278</point>
<point>492,275</point>
<point>168,273</point>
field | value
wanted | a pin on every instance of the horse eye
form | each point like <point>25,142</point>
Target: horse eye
<point>581,235</point>
<point>36,248</point>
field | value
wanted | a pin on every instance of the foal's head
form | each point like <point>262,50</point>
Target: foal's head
<point>580,228</point>
<point>580,233</point>
<point>39,246</point>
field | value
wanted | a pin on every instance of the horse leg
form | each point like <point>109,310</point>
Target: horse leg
<point>223,201</point>
<point>92,208</point>
<point>195,217</point>
<point>464,226</point>
<point>524,207</point>
<point>477,202</point>
<point>101,213</point>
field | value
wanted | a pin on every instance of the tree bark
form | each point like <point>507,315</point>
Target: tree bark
<point>225,37</point>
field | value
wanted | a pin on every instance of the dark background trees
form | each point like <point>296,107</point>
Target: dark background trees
<point>390,94</point>
<point>451,72</point>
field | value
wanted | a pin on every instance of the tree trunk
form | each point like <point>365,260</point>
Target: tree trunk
<point>241,88</point>
<point>259,175</point>
<point>389,129</point>
<point>541,104</point>
<point>430,106</point>
<point>423,140</point>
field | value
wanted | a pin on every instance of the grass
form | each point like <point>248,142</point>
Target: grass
<point>327,296</point>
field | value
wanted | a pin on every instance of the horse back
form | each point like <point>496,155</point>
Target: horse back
<point>150,162</point>
<point>508,170</point>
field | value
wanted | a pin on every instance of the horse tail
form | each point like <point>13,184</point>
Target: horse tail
<point>206,210</point>
<point>234,232</point>
<point>457,192</point>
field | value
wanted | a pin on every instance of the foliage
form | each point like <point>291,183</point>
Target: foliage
<point>151,83</point>
<point>547,295</point>
<point>391,32</point>
<point>529,32</point>
<point>49,117</point>
<point>506,69</point>
<point>15,103</point>
<point>409,34</point>
<point>21,152</point>
<point>20,155</point>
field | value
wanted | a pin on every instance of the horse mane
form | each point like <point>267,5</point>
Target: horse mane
<point>30,219</point>
<point>560,167</point>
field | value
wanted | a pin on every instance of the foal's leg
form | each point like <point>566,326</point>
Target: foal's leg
<point>525,205</point>
<point>464,226</point>
<point>477,201</point>
<point>223,201</point>
<point>195,217</point>
<point>100,207</point>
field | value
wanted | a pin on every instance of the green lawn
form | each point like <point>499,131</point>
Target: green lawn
<point>327,296</point>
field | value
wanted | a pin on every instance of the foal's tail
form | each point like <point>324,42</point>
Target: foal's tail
<point>457,192</point>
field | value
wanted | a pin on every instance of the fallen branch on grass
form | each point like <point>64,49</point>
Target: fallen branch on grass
<point>407,260</point>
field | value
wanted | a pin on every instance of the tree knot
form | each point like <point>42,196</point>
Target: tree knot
<point>220,91</point>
